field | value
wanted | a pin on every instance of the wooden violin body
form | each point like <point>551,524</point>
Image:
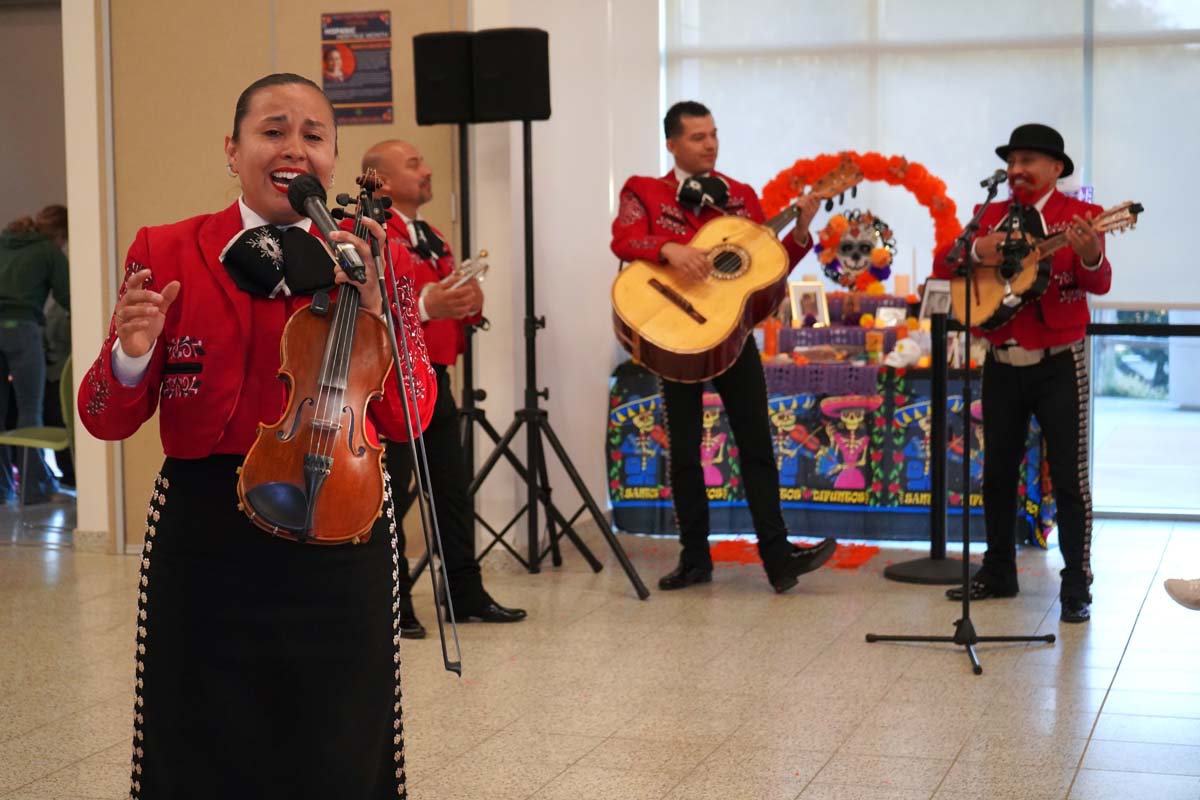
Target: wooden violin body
<point>314,475</point>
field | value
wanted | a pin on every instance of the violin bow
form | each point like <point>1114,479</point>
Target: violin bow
<point>368,205</point>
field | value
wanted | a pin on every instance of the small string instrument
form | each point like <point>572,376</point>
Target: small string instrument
<point>314,476</point>
<point>692,331</point>
<point>995,298</point>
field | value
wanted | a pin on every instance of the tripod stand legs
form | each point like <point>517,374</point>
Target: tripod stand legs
<point>558,524</point>
<point>964,635</point>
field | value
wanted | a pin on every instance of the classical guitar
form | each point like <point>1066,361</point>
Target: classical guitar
<point>995,298</point>
<point>692,331</point>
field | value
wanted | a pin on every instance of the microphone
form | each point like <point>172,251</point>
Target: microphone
<point>998,177</point>
<point>307,196</point>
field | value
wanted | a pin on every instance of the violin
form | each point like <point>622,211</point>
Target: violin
<point>314,476</point>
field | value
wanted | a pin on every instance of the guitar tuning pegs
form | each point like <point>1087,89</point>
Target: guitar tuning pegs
<point>338,213</point>
<point>343,199</point>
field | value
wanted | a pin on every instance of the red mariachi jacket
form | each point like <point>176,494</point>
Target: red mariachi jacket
<point>1061,315</point>
<point>650,217</point>
<point>445,338</point>
<point>208,333</point>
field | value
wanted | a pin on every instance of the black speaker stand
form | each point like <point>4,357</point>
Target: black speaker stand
<point>964,629</point>
<point>536,422</point>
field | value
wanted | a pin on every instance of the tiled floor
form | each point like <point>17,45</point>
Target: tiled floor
<point>722,691</point>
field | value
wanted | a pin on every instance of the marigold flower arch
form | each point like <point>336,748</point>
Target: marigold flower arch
<point>928,189</point>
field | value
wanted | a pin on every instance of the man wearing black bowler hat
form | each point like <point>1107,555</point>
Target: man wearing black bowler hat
<point>1036,365</point>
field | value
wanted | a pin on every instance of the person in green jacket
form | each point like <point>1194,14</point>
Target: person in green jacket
<point>32,266</point>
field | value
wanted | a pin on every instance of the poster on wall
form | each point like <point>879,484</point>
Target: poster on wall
<point>356,66</point>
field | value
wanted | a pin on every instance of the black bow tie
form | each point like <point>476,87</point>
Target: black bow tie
<point>1026,219</point>
<point>266,261</point>
<point>428,244</point>
<point>703,191</point>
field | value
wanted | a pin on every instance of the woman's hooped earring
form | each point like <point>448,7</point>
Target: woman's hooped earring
<point>232,172</point>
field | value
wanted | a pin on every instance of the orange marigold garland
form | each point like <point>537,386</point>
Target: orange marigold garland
<point>927,188</point>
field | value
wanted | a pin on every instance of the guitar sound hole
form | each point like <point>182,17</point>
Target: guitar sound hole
<point>727,263</point>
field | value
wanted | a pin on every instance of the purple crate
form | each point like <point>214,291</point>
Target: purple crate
<point>849,335</point>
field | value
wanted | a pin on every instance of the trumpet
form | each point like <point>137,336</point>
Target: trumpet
<point>471,269</point>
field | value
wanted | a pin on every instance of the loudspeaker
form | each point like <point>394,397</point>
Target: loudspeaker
<point>512,74</point>
<point>442,73</point>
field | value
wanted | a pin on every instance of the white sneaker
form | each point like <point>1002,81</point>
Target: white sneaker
<point>1186,593</point>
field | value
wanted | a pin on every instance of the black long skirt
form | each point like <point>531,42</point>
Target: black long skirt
<point>265,668</point>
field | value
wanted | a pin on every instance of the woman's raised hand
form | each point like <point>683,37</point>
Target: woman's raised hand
<point>141,313</point>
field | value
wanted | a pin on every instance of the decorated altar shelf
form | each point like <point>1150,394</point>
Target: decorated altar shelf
<point>851,444</point>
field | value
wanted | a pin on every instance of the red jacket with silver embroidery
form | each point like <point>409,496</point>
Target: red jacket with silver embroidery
<point>204,343</point>
<point>1061,315</point>
<point>445,338</point>
<point>649,217</point>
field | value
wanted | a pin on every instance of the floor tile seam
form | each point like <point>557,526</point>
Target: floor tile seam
<point>67,766</point>
<point>1124,652</point>
<point>57,720</point>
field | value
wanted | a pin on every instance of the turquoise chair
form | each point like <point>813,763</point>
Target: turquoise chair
<point>46,437</point>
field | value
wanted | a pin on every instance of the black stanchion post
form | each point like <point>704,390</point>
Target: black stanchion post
<point>936,569</point>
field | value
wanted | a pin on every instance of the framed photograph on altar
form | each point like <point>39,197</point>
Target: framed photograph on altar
<point>809,306</point>
<point>936,298</point>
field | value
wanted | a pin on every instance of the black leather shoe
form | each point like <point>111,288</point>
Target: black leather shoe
<point>1075,609</point>
<point>683,576</point>
<point>980,590</point>
<point>410,626</point>
<point>488,611</point>
<point>798,562</point>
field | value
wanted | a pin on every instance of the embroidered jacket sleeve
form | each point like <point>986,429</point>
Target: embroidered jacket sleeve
<point>633,235</point>
<point>1094,279</point>
<point>107,408</point>
<point>388,412</point>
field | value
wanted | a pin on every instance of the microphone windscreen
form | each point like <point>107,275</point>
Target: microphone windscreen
<point>303,187</point>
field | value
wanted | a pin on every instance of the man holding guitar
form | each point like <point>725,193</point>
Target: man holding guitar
<point>1036,366</point>
<point>655,222</point>
<point>407,179</point>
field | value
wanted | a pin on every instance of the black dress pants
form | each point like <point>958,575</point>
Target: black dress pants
<point>449,476</point>
<point>743,390</point>
<point>1055,390</point>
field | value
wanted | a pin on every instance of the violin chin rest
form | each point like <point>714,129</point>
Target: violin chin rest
<point>279,504</point>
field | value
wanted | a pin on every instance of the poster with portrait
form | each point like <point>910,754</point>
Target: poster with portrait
<point>356,66</point>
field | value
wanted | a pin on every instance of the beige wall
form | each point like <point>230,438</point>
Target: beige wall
<point>32,148</point>
<point>177,69</point>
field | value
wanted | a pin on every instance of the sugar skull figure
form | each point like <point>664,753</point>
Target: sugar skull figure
<point>712,444</point>
<point>643,447</point>
<point>792,440</point>
<point>856,249</point>
<point>916,450</point>
<point>848,443</point>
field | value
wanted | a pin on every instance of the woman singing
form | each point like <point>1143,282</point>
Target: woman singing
<point>266,667</point>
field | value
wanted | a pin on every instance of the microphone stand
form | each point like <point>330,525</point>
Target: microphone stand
<point>964,629</point>
<point>406,382</point>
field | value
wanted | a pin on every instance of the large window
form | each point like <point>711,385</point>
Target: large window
<point>942,83</point>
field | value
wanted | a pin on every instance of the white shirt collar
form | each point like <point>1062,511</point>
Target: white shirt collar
<point>682,176</point>
<point>251,219</point>
<point>1041,204</point>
